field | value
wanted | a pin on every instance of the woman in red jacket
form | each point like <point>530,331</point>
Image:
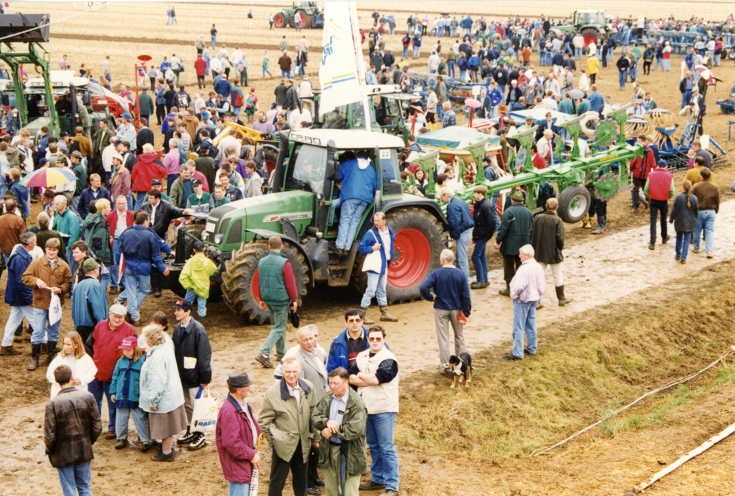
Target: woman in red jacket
<point>146,169</point>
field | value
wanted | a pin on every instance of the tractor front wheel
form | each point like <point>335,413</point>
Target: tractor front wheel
<point>279,20</point>
<point>590,36</point>
<point>241,277</point>
<point>574,203</point>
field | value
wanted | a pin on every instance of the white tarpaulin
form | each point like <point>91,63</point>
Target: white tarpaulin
<point>338,72</point>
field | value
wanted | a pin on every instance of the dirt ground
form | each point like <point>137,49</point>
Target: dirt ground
<point>610,273</point>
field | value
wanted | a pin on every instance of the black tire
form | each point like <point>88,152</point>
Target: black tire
<point>574,203</point>
<point>237,279</point>
<point>404,221</point>
<point>309,22</point>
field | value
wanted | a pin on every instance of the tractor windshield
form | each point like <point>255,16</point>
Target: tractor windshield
<point>390,171</point>
<point>307,167</point>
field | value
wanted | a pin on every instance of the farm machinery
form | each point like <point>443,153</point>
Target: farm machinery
<point>457,90</point>
<point>589,23</point>
<point>309,14</point>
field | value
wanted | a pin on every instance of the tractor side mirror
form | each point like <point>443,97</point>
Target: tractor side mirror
<point>331,169</point>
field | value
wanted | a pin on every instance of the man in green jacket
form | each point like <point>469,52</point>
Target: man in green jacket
<point>147,107</point>
<point>285,420</point>
<point>514,232</point>
<point>277,292</point>
<point>341,418</point>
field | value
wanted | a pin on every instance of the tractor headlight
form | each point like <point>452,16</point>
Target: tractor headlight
<point>218,238</point>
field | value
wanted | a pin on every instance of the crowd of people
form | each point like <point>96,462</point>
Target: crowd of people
<point>105,233</point>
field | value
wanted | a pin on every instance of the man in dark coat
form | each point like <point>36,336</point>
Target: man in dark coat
<point>145,135</point>
<point>547,239</point>
<point>484,217</point>
<point>17,295</point>
<point>460,224</point>
<point>162,213</point>
<point>72,425</point>
<point>514,232</point>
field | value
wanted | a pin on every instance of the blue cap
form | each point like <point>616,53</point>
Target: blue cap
<point>663,163</point>
<point>127,116</point>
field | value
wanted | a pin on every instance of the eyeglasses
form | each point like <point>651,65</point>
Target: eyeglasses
<point>376,340</point>
<point>354,320</point>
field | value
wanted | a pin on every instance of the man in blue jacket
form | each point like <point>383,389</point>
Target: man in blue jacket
<point>18,295</point>
<point>141,249</point>
<point>460,224</point>
<point>358,183</point>
<point>349,343</point>
<point>447,288</point>
<point>88,300</point>
<point>382,239</point>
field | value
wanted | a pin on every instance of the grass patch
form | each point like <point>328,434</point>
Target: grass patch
<point>585,370</point>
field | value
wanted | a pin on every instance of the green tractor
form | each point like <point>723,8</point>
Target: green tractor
<point>300,210</point>
<point>310,14</point>
<point>590,23</point>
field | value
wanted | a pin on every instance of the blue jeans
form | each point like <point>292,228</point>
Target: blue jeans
<point>139,196</point>
<point>622,76</point>
<point>375,287</point>
<point>170,179</point>
<point>285,73</point>
<point>404,54</point>
<point>349,219</point>
<point>238,489</point>
<point>40,318</point>
<point>99,389</point>
<point>379,436</point>
<point>265,70</point>
<point>14,320</point>
<point>578,53</point>
<point>450,68</point>
<point>706,221</point>
<point>416,52</point>
<point>137,287</point>
<point>524,321</point>
<point>76,479</point>
<point>75,204</point>
<point>682,244</point>
<point>104,282</point>
<point>686,97</point>
<point>140,418</point>
<point>463,245</point>
<point>214,42</point>
<point>277,336</point>
<point>657,63</point>
<point>479,260</point>
<point>191,297</point>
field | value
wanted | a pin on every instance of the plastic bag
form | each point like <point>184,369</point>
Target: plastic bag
<point>204,414</point>
<point>54,310</point>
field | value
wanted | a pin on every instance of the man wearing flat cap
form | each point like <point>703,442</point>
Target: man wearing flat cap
<point>237,435</point>
<point>514,232</point>
<point>88,300</point>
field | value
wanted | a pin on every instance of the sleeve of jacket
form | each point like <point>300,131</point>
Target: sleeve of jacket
<point>320,413</point>
<point>156,254</point>
<point>454,220</point>
<point>672,189</point>
<point>266,416</point>
<point>427,285</point>
<point>185,277</point>
<point>66,284</point>
<point>466,298</point>
<point>355,428</point>
<point>96,421</point>
<point>332,359</point>
<point>290,282</point>
<point>49,430</point>
<point>560,235</point>
<point>204,357</point>
<point>75,230</point>
<point>505,223</point>
<point>367,242</point>
<point>114,384</point>
<point>100,304</point>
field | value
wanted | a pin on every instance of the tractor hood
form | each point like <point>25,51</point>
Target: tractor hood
<point>227,225</point>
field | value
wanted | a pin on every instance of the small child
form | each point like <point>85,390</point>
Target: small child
<point>125,389</point>
<point>684,217</point>
<point>195,276</point>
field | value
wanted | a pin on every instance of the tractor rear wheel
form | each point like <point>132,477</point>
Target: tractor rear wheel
<point>301,14</point>
<point>574,203</point>
<point>309,21</point>
<point>590,35</point>
<point>419,242</point>
<point>241,277</point>
<point>279,20</point>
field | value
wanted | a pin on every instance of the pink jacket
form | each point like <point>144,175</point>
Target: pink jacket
<point>235,443</point>
<point>172,161</point>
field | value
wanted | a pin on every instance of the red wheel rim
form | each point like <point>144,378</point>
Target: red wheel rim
<point>412,260</point>
<point>589,38</point>
<point>279,21</point>
<point>255,285</point>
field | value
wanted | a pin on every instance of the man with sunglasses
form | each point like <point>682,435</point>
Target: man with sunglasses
<point>349,343</point>
<point>375,373</point>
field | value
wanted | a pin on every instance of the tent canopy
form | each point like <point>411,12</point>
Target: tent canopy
<point>451,137</point>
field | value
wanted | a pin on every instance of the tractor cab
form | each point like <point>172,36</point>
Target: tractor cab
<point>587,17</point>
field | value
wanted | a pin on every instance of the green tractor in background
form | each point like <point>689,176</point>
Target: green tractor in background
<point>310,14</point>
<point>591,24</point>
<point>300,210</point>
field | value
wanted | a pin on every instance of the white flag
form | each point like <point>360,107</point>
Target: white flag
<point>54,310</point>
<point>338,71</point>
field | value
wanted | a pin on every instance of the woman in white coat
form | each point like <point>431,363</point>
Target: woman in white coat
<point>72,354</point>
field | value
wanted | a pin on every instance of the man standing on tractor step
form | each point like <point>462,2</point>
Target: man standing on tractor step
<point>358,183</point>
<point>277,292</point>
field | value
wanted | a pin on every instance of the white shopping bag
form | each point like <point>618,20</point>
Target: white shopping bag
<point>54,310</point>
<point>204,414</point>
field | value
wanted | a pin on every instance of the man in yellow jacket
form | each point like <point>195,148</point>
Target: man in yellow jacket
<point>195,276</point>
<point>593,67</point>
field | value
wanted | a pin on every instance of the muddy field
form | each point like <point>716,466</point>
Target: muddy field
<point>609,276</point>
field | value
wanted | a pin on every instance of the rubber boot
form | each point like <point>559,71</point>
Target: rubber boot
<point>35,353</point>
<point>586,222</point>
<point>505,291</point>
<point>51,351</point>
<point>365,319</point>
<point>601,221</point>
<point>385,316</point>
<point>563,300</point>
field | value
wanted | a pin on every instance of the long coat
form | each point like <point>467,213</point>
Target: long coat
<point>515,229</point>
<point>547,238</point>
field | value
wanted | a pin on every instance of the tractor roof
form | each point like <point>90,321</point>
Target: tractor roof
<point>591,11</point>
<point>346,139</point>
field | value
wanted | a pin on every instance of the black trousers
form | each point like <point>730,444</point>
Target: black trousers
<point>279,472</point>
<point>160,112</point>
<point>656,206</point>
<point>510,266</point>
<point>313,474</point>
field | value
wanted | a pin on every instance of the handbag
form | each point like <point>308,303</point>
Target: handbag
<point>295,318</point>
<point>373,261</point>
<point>204,414</point>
